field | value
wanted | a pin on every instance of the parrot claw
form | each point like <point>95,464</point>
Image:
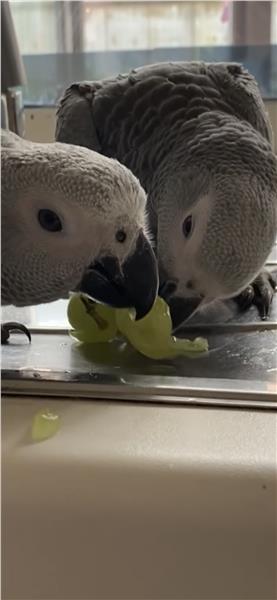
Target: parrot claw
<point>245,299</point>
<point>260,293</point>
<point>7,328</point>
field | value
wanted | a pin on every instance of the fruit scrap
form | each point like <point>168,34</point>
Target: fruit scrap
<point>45,424</point>
<point>151,336</point>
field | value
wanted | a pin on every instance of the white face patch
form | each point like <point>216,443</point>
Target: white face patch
<point>234,227</point>
<point>97,202</point>
<point>180,255</point>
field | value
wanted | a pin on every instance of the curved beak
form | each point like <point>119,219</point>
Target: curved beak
<point>135,284</point>
<point>182,309</point>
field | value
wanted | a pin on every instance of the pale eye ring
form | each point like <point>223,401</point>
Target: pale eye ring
<point>187,226</point>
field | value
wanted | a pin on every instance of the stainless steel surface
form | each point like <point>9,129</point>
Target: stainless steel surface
<point>240,367</point>
<point>239,370</point>
<point>4,113</point>
<point>16,111</point>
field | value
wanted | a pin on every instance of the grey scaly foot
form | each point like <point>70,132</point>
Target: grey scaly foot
<point>260,293</point>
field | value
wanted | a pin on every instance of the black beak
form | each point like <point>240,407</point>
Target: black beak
<point>134,285</point>
<point>181,309</point>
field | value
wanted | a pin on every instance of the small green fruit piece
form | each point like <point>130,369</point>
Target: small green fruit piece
<point>189,347</point>
<point>151,335</point>
<point>45,425</point>
<point>92,322</point>
<point>157,322</point>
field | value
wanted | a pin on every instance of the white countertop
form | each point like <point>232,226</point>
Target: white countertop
<point>139,501</point>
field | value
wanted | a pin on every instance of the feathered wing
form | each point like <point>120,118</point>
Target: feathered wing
<point>135,112</point>
<point>74,123</point>
<point>241,91</point>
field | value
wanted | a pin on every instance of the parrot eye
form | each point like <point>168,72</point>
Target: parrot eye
<point>187,226</point>
<point>49,220</point>
<point>120,236</point>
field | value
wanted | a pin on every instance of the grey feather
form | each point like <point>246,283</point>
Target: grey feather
<point>82,131</point>
<point>146,99</point>
<point>93,197</point>
<point>199,139</point>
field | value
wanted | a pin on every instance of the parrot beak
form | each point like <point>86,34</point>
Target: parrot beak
<point>135,284</point>
<point>181,309</point>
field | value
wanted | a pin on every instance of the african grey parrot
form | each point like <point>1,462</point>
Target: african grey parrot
<point>72,220</point>
<point>199,140</point>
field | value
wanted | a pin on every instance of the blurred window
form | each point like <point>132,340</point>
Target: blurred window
<point>66,41</point>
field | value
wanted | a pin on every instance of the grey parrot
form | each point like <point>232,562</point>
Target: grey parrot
<point>72,220</point>
<point>198,138</point>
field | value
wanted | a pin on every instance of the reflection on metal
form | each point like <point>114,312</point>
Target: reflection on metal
<point>12,72</point>
<point>16,112</point>
<point>239,370</point>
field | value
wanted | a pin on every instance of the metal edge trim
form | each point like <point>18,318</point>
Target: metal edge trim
<point>129,391</point>
<point>165,400</point>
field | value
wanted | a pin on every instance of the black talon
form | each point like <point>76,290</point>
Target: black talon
<point>262,300</point>
<point>11,326</point>
<point>245,299</point>
<point>260,293</point>
<point>272,281</point>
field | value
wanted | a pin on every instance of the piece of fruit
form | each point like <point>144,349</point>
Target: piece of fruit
<point>45,424</point>
<point>152,335</point>
<point>92,322</point>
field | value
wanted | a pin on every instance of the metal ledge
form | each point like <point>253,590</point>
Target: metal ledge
<point>240,369</point>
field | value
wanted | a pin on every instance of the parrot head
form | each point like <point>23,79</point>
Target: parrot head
<point>216,219</point>
<point>73,220</point>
